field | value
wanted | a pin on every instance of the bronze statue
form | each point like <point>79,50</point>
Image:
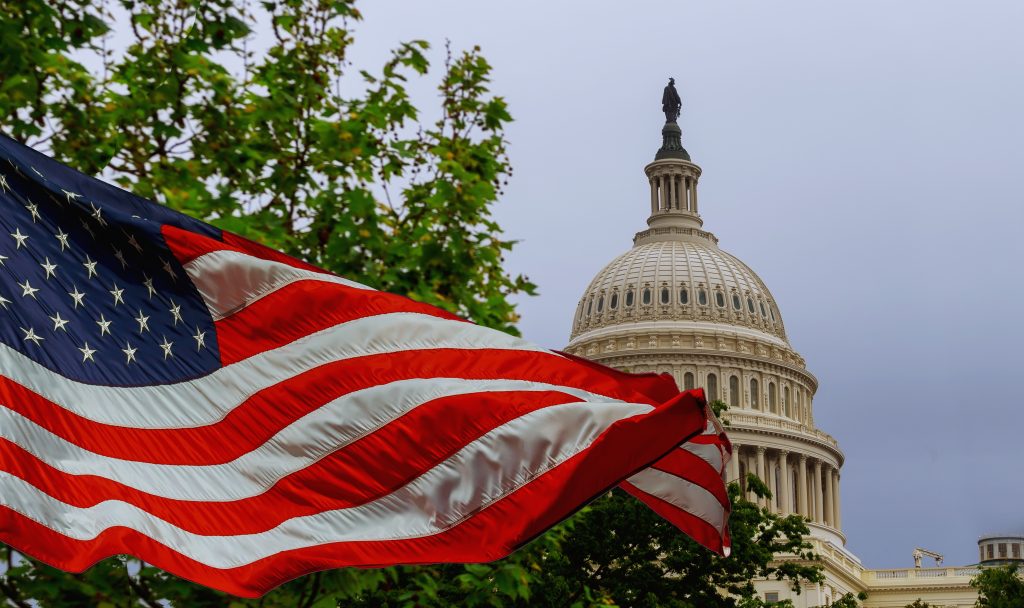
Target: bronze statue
<point>670,102</point>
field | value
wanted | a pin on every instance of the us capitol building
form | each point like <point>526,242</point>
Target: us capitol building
<point>677,303</point>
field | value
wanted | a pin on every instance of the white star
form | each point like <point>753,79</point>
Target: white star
<point>120,258</point>
<point>90,266</point>
<point>71,196</point>
<point>169,270</point>
<point>149,285</point>
<point>34,210</point>
<point>58,323</point>
<point>176,311</point>
<point>3,259</point>
<point>3,182</point>
<point>133,242</point>
<point>30,336</point>
<point>28,290</point>
<point>143,322</point>
<point>63,238</point>
<point>129,351</point>
<point>117,294</point>
<point>104,325</point>
<point>49,268</point>
<point>167,348</point>
<point>77,296</point>
<point>4,302</point>
<point>97,214</point>
<point>87,353</point>
<point>200,339</point>
<point>18,236</point>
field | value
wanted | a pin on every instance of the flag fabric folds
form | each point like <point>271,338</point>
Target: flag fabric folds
<point>239,418</point>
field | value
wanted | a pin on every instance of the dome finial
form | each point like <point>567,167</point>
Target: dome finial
<point>671,135</point>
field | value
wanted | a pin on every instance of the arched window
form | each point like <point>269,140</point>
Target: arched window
<point>755,394</point>
<point>712,387</point>
<point>785,401</point>
<point>763,312</point>
<point>666,296</point>
<point>702,297</point>
<point>629,298</point>
<point>590,304</point>
<point>771,311</point>
<point>736,301</point>
<point>720,299</point>
<point>688,381</point>
<point>750,305</point>
<point>600,303</point>
<point>684,296</point>
<point>646,298</point>
<point>734,391</point>
<point>614,302</point>
<point>773,398</point>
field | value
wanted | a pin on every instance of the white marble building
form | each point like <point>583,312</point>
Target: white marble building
<point>678,303</point>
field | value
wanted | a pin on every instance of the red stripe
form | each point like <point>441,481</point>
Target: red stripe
<point>691,525</point>
<point>626,447</point>
<point>362,471</point>
<point>268,411</point>
<point>302,308</point>
<point>187,246</point>
<point>694,469</point>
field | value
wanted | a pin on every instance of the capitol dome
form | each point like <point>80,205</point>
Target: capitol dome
<point>677,303</point>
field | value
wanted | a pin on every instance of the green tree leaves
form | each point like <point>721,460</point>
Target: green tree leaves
<point>999,587</point>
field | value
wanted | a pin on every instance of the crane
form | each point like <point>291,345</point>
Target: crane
<point>919,553</point>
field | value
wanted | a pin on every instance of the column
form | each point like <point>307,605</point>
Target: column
<point>801,486</point>
<point>760,471</point>
<point>819,496</point>
<point>784,500</point>
<point>662,193</point>
<point>837,518</point>
<point>685,199</point>
<point>829,515</point>
<point>769,465</point>
<point>693,194</point>
<point>654,195</point>
<point>734,463</point>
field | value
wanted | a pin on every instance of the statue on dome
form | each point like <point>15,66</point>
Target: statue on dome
<point>670,102</point>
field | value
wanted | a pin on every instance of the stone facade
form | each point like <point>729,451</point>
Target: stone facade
<point>677,303</point>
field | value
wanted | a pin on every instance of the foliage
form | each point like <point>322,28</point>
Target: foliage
<point>919,603</point>
<point>286,147</point>
<point>848,601</point>
<point>999,587</point>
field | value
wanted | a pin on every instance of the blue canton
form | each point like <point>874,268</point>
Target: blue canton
<point>88,286</point>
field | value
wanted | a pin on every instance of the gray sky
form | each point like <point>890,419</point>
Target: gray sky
<point>864,159</point>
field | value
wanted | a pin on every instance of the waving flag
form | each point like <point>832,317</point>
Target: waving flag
<point>239,418</point>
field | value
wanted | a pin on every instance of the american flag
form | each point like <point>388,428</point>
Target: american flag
<point>239,418</point>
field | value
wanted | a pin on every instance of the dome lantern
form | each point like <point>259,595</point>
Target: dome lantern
<point>673,179</point>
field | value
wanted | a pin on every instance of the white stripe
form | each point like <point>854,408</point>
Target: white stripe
<point>686,495</point>
<point>208,399</point>
<point>307,440</point>
<point>709,453</point>
<point>229,281</point>
<point>481,473</point>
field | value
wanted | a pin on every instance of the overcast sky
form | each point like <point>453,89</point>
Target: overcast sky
<point>864,159</point>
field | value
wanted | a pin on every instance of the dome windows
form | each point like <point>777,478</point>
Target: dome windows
<point>764,313</point>
<point>712,387</point>
<point>750,305</point>
<point>702,297</point>
<point>666,295</point>
<point>684,296</point>
<point>645,298</point>
<point>629,298</point>
<point>720,299</point>
<point>734,391</point>
<point>688,383</point>
<point>736,301</point>
<point>590,306</point>
<point>773,398</point>
<point>614,302</point>
<point>600,303</point>
<point>755,394</point>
